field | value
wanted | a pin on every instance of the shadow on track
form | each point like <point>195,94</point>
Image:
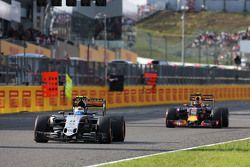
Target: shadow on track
<point>80,149</point>
<point>238,128</point>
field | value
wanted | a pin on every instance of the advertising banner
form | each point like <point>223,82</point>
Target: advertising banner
<point>31,98</point>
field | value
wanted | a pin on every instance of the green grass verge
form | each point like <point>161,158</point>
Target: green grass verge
<point>228,155</point>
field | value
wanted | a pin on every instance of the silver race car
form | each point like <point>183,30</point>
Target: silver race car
<point>82,124</point>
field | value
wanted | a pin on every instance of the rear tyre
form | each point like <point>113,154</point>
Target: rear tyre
<point>118,128</point>
<point>170,118</point>
<point>217,116</point>
<point>41,126</point>
<point>104,129</point>
<point>225,117</point>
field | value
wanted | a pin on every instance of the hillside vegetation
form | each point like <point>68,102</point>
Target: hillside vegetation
<point>159,36</point>
<point>169,23</point>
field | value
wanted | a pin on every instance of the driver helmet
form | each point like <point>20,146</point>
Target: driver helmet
<point>79,110</point>
<point>197,100</point>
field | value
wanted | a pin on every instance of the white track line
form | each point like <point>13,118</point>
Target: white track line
<point>150,155</point>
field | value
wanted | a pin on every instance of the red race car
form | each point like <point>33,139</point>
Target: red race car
<point>199,113</point>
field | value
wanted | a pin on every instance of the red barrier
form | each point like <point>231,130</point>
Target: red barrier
<point>50,84</point>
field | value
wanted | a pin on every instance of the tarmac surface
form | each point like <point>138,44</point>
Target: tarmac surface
<point>145,134</point>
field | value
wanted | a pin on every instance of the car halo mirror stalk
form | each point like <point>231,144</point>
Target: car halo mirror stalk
<point>61,112</point>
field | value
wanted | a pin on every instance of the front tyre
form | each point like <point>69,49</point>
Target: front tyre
<point>104,129</point>
<point>220,115</point>
<point>41,126</point>
<point>170,118</point>
<point>118,128</point>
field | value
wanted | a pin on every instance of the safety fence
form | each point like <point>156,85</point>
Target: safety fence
<point>30,98</point>
<point>22,70</point>
<point>203,47</point>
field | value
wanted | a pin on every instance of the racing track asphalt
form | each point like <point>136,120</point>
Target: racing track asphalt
<point>146,134</point>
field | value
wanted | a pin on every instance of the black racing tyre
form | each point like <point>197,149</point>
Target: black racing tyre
<point>170,117</point>
<point>118,128</point>
<point>217,116</point>
<point>104,128</point>
<point>41,126</point>
<point>225,117</point>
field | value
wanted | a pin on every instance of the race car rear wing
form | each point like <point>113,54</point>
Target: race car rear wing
<point>90,102</point>
<point>205,97</point>
<point>95,102</point>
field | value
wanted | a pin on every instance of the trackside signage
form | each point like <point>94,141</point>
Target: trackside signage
<point>31,98</point>
<point>68,87</point>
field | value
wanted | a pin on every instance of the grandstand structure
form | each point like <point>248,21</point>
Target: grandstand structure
<point>62,33</point>
<point>93,35</point>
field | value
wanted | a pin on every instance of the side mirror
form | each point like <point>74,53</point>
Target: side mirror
<point>61,112</point>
